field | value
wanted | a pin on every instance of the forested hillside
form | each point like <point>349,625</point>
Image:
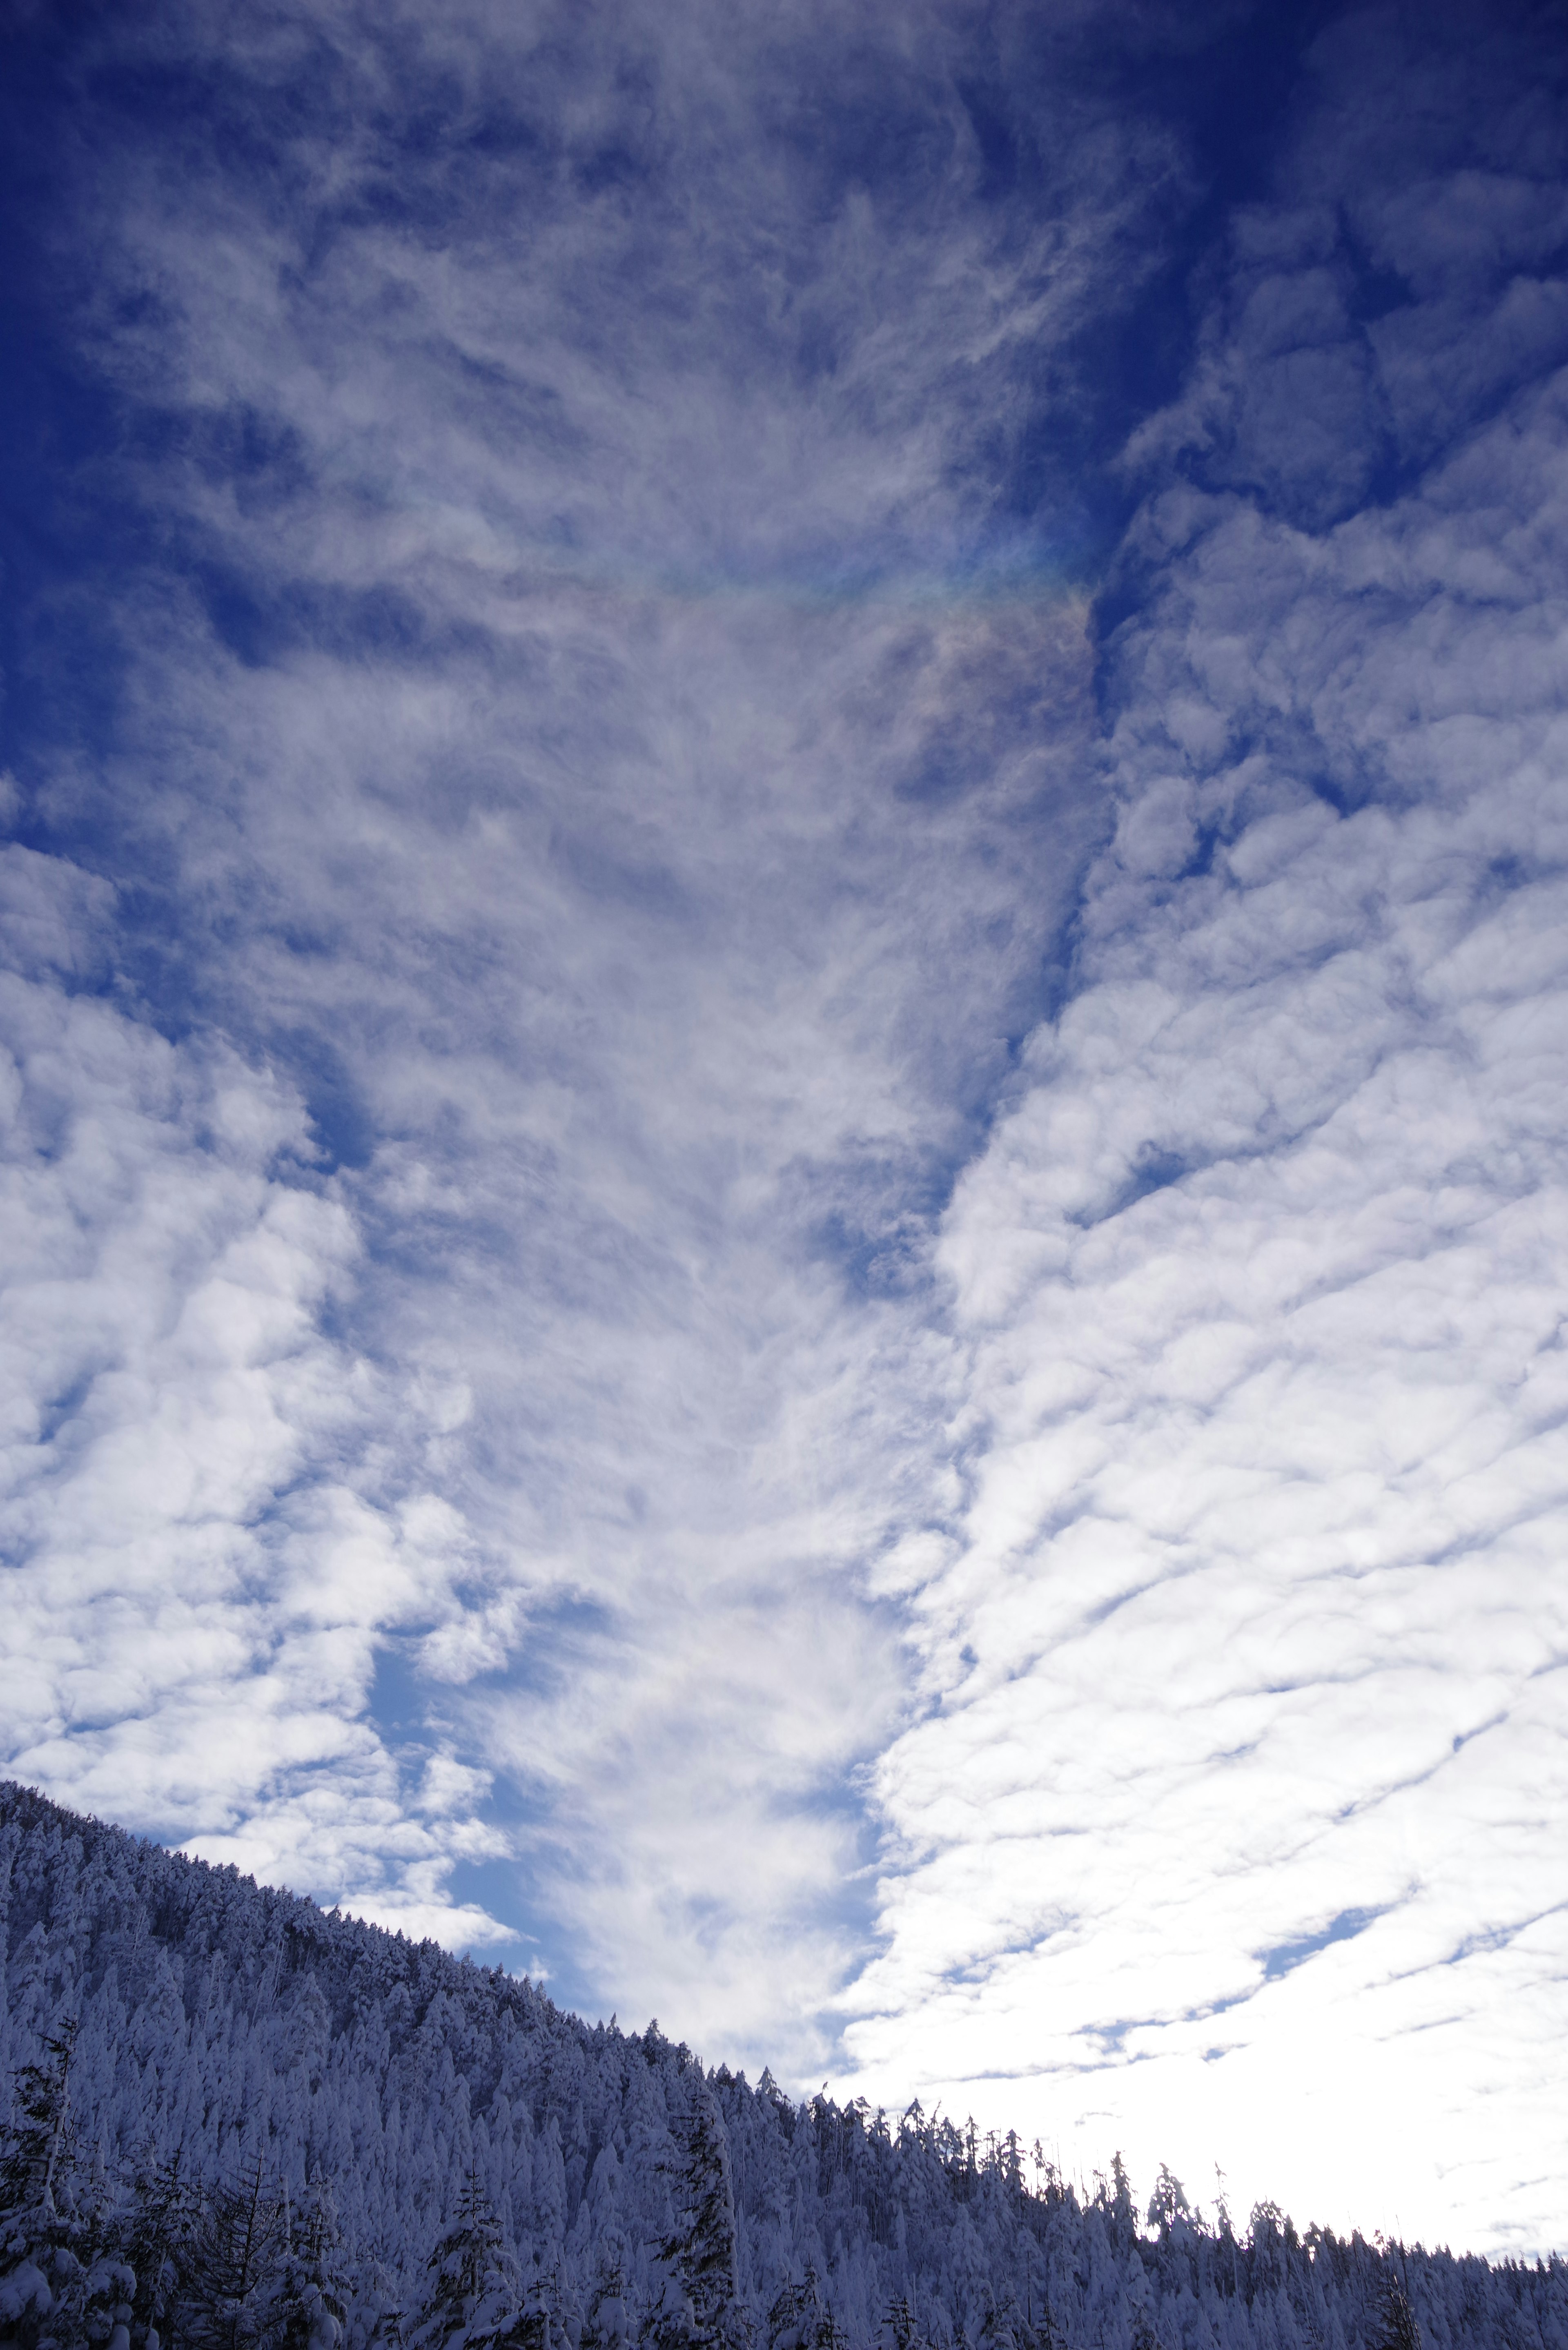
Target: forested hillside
<point>232,2120</point>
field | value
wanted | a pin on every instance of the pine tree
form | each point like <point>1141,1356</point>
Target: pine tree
<point>232,2270</point>
<point>165,2209</point>
<point>309,2305</point>
<point>1398,2330</point>
<point>1048,2329</point>
<point>792,2319</point>
<point>899,2326</point>
<point>1168,2202</point>
<point>39,2138</point>
<point>546,2321</point>
<point>1004,2325</point>
<point>377,2312</point>
<point>474,2300</point>
<point>706,2308</point>
<point>52,2287</point>
<point>608,2326</point>
<point>800,2319</point>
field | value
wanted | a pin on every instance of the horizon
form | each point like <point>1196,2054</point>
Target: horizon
<point>1112,2184</point>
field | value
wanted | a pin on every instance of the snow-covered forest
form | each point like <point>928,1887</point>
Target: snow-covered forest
<point>232,2120</point>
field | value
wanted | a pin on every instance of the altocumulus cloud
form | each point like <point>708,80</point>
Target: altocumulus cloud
<point>197,1582</point>
<point>1229,1832</point>
<point>743,1239</point>
<point>595,746</point>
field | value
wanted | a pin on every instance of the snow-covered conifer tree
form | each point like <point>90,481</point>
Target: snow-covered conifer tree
<point>164,2214</point>
<point>474,2299</point>
<point>1168,2202</point>
<point>40,2267</point>
<point>609,2325</point>
<point>233,2266</point>
<point>705,2308</point>
<point>309,2304</point>
<point>61,2280</point>
<point>1398,2330</point>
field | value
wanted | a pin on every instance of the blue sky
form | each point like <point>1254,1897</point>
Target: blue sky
<point>783,979</point>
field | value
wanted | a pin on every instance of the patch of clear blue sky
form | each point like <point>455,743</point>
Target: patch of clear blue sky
<point>1285,1957</point>
<point>507,1887</point>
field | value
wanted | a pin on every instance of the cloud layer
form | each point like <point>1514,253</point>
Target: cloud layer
<point>592,732</point>
<point>1245,1650</point>
<point>787,1123</point>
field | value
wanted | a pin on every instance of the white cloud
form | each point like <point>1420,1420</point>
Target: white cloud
<point>643,828</point>
<point>194,1584</point>
<point>607,755</point>
<point>1226,1834</point>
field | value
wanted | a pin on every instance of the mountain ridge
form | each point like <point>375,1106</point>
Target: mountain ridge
<point>422,2151</point>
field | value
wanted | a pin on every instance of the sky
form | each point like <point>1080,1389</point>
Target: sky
<point>783,1001</point>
